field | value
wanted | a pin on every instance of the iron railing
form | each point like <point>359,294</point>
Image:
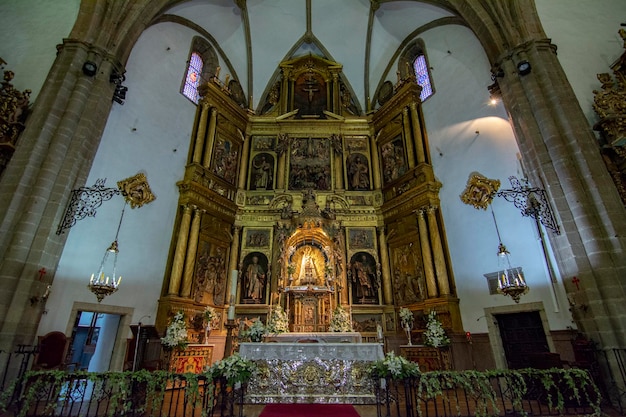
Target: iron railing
<point>132,394</point>
<point>499,393</point>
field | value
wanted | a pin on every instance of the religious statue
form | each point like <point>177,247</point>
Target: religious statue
<point>255,280</point>
<point>262,172</point>
<point>364,275</point>
<point>359,173</point>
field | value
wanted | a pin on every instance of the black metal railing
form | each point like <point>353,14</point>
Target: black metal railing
<point>492,393</point>
<point>142,393</point>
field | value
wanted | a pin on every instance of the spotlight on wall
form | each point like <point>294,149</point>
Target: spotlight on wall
<point>523,67</point>
<point>90,68</point>
<point>495,95</point>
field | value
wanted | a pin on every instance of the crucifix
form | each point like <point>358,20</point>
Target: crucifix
<point>309,84</point>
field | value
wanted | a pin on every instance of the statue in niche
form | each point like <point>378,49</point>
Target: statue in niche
<point>262,172</point>
<point>308,271</point>
<point>364,279</point>
<point>255,278</point>
<point>358,172</point>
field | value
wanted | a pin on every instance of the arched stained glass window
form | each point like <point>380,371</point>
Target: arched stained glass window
<point>422,76</point>
<point>194,72</point>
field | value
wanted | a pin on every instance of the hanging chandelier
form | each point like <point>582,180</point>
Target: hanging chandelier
<point>106,281</point>
<point>511,281</point>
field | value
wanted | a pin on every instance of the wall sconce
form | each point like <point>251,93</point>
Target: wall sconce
<point>523,67</point>
<point>495,95</point>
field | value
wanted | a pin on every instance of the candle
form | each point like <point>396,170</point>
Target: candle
<point>231,312</point>
<point>233,285</point>
<point>91,280</point>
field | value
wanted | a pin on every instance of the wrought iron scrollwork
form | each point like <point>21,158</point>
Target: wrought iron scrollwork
<point>84,202</point>
<point>532,202</point>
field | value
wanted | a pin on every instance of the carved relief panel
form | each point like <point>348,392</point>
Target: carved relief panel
<point>309,164</point>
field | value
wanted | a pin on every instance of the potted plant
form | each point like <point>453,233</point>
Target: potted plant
<point>234,370</point>
<point>394,367</point>
<point>255,332</point>
<point>407,319</point>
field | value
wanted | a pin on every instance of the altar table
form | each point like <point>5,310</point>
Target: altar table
<point>324,337</point>
<point>194,358</point>
<point>333,373</point>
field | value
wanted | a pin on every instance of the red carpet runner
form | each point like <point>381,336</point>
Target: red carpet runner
<point>309,410</point>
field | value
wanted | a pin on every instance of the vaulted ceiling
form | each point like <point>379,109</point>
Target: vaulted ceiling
<point>252,37</point>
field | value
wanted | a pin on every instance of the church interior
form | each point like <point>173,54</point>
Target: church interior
<point>455,158</point>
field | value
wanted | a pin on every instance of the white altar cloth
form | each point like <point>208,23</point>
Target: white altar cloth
<point>325,337</point>
<point>308,351</point>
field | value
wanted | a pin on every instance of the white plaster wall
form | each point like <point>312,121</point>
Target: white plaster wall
<point>150,133</point>
<point>467,134</point>
<point>30,30</point>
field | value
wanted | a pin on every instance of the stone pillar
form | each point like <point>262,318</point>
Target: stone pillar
<point>437,247</point>
<point>200,133</point>
<point>417,134</point>
<point>408,136</point>
<point>192,248</point>
<point>179,253</point>
<point>427,257</point>
<point>384,260</point>
<point>210,141</point>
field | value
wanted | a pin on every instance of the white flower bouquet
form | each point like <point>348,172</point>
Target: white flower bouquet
<point>209,314</point>
<point>176,333</point>
<point>340,321</point>
<point>278,322</point>
<point>435,335</point>
<point>394,367</point>
<point>234,369</point>
<point>406,318</point>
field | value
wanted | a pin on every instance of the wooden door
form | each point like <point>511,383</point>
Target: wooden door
<point>523,337</point>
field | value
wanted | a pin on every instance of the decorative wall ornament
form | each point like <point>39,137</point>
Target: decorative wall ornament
<point>136,190</point>
<point>84,202</point>
<point>479,191</point>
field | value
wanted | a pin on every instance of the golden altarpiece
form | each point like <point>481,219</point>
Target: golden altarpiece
<point>309,205</point>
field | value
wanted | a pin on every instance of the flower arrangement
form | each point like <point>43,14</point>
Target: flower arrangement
<point>176,333</point>
<point>278,322</point>
<point>255,332</point>
<point>435,335</point>
<point>406,318</point>
<point>340,321</point>
<point>234,369</point>
<point>394,367</point>
<point>208,315</point>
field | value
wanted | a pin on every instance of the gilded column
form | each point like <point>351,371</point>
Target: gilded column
<point>375,168</point>
<point>201,133</point>
<point>427,257</point>
<point>190,259</point>
<point>384,259</point>
<point>408,134</point>
<point>337,146</point>
<point>282,150</point>
<point>284,91</point>
<point>417,134</point>
<point>243,169</point>
<point>208,149</point>
<point>438,255</point>
<point>336,101</point>
<point>180,252</point>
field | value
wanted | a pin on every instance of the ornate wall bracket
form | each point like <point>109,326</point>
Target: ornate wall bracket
<point>86,200</point>
<point>531,201</point>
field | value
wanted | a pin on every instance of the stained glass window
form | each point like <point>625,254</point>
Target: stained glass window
<point>194,70</point>
<point>423,77</point>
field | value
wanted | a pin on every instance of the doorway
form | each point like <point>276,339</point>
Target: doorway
<point>93,337</point>
<point>522,335</point>
<point>98,336</point>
